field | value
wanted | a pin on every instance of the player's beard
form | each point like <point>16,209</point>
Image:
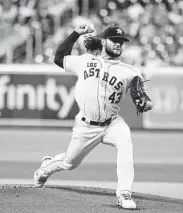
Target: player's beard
<point>112,53</point>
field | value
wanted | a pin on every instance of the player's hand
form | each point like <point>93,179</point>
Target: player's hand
<point>148,106</point>
<point>83,29</point>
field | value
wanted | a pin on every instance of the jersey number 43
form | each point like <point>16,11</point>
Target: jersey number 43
<point>115,97</point>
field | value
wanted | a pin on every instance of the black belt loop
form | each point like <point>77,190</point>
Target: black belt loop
<point>96,123</point>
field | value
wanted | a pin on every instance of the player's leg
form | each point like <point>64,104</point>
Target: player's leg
<point>118,134</point>
<point>81,144</point>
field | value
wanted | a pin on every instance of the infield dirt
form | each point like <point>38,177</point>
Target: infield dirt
<point>67,199</point>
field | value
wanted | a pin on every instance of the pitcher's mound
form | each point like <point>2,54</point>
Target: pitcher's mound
<point>67,199</point>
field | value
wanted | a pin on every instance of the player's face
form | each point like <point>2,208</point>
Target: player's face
<point>114,47</point>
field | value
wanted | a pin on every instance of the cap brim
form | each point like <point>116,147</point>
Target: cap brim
<point>120,38</point>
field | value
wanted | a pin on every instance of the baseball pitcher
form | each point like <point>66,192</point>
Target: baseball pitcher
<point>102,82</point>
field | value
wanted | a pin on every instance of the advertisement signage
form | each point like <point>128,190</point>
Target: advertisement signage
<point>37,98</point>
<point>166,90</point>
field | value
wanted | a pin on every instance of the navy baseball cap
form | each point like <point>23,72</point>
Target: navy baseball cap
<point>115,32</point>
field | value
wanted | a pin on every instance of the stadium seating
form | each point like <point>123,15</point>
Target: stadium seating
<point>31,30</point>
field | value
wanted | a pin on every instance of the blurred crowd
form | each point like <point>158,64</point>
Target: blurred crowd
<point>155,28</point>
<point>31,30</point>
<point>27,25</point>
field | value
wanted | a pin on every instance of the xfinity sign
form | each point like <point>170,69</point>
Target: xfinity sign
<point>37,97</point>
<point>13,97</point>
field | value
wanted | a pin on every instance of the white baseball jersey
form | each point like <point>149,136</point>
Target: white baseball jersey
<point>101,84</point>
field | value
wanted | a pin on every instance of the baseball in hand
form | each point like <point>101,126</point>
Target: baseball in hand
<point>85,28</point>
<point>89,28</point>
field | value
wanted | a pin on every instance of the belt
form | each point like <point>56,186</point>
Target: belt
<point>96,123</point>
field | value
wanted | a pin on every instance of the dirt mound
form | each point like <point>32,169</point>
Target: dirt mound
<point>67,199</point>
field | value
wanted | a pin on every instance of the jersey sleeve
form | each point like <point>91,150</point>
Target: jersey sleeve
<point>73,64</point>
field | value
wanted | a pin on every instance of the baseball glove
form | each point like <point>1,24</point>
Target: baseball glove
<point>140,98</point>
<point>92,43</point>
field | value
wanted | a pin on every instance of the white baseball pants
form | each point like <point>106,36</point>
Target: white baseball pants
<point>85,137</point>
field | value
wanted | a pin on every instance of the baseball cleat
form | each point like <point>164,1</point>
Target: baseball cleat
<point>40,177</point>
<point>125,201</point>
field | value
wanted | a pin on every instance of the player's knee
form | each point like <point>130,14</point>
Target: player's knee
<point>67,166</point>
<point>75,165</point>
<point>71,165</point>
